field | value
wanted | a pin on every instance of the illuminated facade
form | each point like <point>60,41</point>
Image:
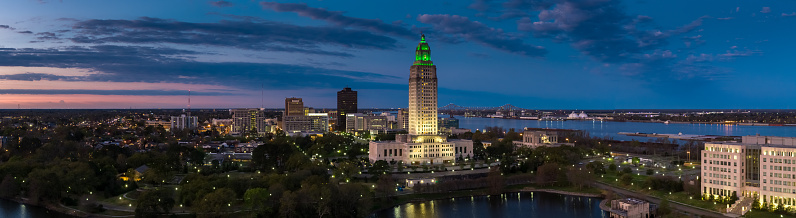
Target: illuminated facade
<point>423,144</point>
<point>423,92</point>
<point>760,167</point>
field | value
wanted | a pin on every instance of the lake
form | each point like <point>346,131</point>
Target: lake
<point>611,129</point>
<point>523,204</point>
<point>13,209</point>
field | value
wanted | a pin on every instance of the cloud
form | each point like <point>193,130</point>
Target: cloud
<point>110,63</point>
<point>106,92</point>
<point>604,31</point>
<point>252,35</point>
<point>222,4</point>
<point>478,55</point>
<point>693,41</point>
<point>478,32</point>
<point>789,15</point>
<point>480,5</point>
<point>600,29</point>
<point>5,27</point>
<point>765,10</point>
<point>337,18</point>
<point>37,77</point>
<point>25,32</point>
<point>724,18</point>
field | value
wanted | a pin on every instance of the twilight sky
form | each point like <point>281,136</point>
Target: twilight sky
<point>538,54</point>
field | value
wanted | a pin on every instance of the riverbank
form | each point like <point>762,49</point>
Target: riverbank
<point>530,189</point>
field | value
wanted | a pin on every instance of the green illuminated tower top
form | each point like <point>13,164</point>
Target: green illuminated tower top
<point>423,52</point>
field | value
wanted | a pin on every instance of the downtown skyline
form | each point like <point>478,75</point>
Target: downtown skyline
<point>563,54</point>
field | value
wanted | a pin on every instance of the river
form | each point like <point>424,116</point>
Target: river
<point>524,204</point>
<point>17,210</point>
<point>611,129</point>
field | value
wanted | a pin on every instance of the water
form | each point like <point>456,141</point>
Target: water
<point>611,129</point>
<point>18,210</point>
<point>533,204</point>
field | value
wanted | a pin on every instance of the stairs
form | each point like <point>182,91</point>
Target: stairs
<point>743,205</point>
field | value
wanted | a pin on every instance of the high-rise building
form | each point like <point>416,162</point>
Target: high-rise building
<point>346,104</point>
<point>184,122</point>
<point>294,107</point>
<point>403,119</point>
<point>423,144</point>
<point>249,119</point>
<point>423,92</point>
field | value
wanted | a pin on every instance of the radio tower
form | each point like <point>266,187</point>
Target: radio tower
<point>189,103</point>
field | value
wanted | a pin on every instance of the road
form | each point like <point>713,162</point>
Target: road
<point>677,206</point>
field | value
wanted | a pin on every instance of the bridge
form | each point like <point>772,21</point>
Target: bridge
<point>505,107</point>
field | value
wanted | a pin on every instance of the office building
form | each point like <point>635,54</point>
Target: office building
<point>358,122</point>
<point>294,107</point>
<point>346,104</point>
<point>423,144</point>
<point>762,168</point>
<point>184,122</point>
<point>311,123</point>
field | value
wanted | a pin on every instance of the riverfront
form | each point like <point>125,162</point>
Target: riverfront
<point>611,128</point>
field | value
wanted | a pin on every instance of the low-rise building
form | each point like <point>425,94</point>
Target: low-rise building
<point>358,122</point>
<point>630,208</point>
<point>535,139</point>
<point>156,123</point>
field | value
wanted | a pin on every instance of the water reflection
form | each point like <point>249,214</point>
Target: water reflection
<point>14,209</point>
<point>508,205</point>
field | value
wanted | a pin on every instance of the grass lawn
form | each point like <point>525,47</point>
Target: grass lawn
<point>682,197</point>
<point>763,214</point>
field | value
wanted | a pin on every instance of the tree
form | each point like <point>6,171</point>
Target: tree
<point>379,168</point>
<point>217,202</point>
<point>547,173</point>
<point>288,204</point>
<point>580,177</point>
<point>612,167</point>
<point>9,188</point>
<point>650,172</point>
<point>664,208</point>
<point>496,183</point>
<point>627,170</point>
<point>596,167</point>
<point>626,179</point>
<point>153,202</point>
<point>385,187</point>
<point>257,200</point>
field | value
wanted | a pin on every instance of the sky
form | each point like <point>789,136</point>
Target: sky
<point>534,54</point>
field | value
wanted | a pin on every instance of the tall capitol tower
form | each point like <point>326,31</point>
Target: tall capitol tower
<point>423,145</point>
<point>423,92</point>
